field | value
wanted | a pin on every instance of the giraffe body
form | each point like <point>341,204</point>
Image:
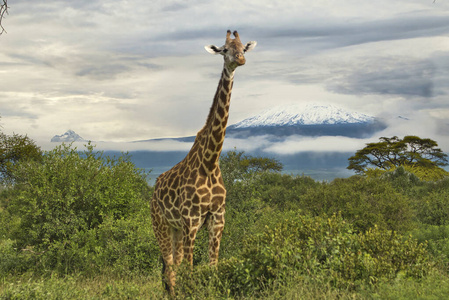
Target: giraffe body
<point>192,193</point>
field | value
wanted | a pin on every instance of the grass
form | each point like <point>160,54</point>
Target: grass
<point>105,286</point>
<point>112,286</point>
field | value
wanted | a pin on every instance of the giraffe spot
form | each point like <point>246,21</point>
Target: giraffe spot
<point>175,182</point>
<point>202,191</point>
<point>214,206</point>
<point>226,82</point>
<point>185,212</point>
<point>207,155</point>
<point>176,202</point>
<point>195,211</point>
<point>197,163</point>
<point>189,190</point>
<point>190,180</point>
<point>200,181</point>
<point>168,215</point>
<point>196,199</point>
<point>220,112</point>
<point>202,171</point>
<point>205,198</point>
<point>172,194</point>
<point>218,190</point>
<point>218,135</point>
<point>214,158</point>
<point>223,97</point>
<point>176,215</point>
<point>166,199</point>
<point>217,122</point>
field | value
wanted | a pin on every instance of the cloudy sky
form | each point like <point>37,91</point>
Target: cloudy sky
<point>117,70</point>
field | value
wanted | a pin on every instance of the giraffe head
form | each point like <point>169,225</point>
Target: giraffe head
<point>233,50</point>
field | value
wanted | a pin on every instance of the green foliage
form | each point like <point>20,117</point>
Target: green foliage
<point>415,173</point>
<point>236,166</point>
<point>76,224</point>
<point>433,209</point>
<point>437,238</point>
<point>362,202</point>
<point>427,173</point>
<point>106,286</point>
<point>284,191</point>
<point>13,149</point>
<point>324,250</point>
<point>74,210</point>
<point>395,152</point>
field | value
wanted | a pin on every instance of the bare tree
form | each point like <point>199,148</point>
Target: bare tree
<point>3,11</point>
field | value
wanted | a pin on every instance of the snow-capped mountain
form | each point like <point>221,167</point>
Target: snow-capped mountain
<point>310,120</point>
<point>67,137</point>
<point>290,115</point>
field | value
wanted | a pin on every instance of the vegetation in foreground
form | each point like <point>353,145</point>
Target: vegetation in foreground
<point>75,225</point>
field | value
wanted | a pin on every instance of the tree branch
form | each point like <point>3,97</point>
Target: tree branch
<point>3,11</point>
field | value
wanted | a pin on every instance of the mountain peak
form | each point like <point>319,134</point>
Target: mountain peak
<point>68,136</point>
<point>311,114</point>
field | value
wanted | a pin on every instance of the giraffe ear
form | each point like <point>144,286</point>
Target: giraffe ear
<point>250,46</point>
<point>214,49</point>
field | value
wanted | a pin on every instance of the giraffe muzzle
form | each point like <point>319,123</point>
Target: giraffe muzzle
<point>240,59</point>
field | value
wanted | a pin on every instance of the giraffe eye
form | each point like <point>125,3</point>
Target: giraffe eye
<point>225,50</point>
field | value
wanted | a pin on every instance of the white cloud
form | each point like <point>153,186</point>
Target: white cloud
<point>129,70</point>
<point>296,144</point>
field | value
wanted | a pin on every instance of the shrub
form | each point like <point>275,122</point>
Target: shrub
<point>362,202</point>
<point>437,239</point>
<point>433,209</point>
<point>325,249</point>
<point>284,191</point>
<point>81,210</point>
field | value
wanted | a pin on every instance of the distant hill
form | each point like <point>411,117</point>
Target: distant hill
<point>312,120</point>
<point>68,137</point>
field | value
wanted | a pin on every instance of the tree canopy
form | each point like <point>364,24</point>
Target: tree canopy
<point>395,152</point>
<point>235,165</point>
<point>14,148</point>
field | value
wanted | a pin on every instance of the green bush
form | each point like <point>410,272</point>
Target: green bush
<point>325,249</point>
<point>284,191</point>
<point>318,250</point>
<point>362,202</point>
<point>81,210</point>
<point>433,209</point>
<point>437,239</point>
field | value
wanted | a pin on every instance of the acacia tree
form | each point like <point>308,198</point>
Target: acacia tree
<point>395,152</point>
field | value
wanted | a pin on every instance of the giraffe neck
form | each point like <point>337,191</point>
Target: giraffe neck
<point>209,140</point>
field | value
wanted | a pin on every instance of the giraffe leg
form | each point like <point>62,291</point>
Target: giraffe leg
<point>215,225</point>
<point>163,235</point>
<point>189,241</point>
<point>178,246</point>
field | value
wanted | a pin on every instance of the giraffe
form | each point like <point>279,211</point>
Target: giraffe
<point>192,193</point>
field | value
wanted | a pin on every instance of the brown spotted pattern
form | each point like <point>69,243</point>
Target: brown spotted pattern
<point>192,193</point>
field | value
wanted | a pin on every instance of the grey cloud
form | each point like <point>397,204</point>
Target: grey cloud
<point>389,77</point>
<point>339,33</point>
<point>103,71</point>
